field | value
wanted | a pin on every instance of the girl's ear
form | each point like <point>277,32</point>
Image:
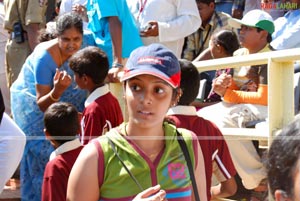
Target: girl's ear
<point>176,97</point>
<point>221,51</point>
<point>219,48</point>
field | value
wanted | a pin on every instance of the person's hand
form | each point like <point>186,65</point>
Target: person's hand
<point>81,10</point>
<point>113,74</point>
<point>62,80</point>
<point>221,83</point>
<point>151,194</point>
<point>151,30</point>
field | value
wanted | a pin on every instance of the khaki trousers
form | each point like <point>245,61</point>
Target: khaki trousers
<point>15,56</point>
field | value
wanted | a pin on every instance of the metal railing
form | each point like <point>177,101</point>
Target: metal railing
<point>280,90</point>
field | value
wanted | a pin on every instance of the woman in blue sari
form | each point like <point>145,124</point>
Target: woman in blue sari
<point>45,78</point>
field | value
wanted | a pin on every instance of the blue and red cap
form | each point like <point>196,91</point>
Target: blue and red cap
<point>156,60</point>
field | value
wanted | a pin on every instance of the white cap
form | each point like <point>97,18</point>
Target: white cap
<point>255,18</point>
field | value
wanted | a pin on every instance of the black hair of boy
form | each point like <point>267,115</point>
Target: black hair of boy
<point>61,122</point>
<point>190,82</point>
<point>205,1</point>
<point>283,159</point>
<point>228,40</point>
<point>92,62</point>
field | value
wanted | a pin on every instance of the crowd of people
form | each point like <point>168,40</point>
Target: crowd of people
<point>80,146</point>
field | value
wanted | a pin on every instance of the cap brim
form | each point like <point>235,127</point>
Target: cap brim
<point>146,70</point>
<point>236,23</point>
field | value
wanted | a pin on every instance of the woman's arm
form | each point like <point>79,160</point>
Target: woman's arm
<point>46,96</point>
<point>83,182</point>
<point>258,97</point>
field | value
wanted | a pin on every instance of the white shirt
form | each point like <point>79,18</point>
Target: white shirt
<point>182,110</point>
<point>66,5</point>
<point>287,31</point>
<point>100,91</point>
<point>12,143</point>
<point>176,20</point>
<point>65,147</point>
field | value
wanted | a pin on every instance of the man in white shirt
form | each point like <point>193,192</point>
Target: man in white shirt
<point>66,5</point>
<point>287,29</point>
<point>165,22</point>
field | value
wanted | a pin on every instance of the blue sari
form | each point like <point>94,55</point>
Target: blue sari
<point>39,68</point>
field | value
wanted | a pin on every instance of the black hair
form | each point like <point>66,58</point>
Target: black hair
<point>283,159</point>
<point>190,82</point>
<point>54,13</point>
<point>45,35</point>
<point>2,106</point>
<point>228,40</point>
<point>205,1</point>
<point>269,37</point>
<point>62,122</point>
<point>67,21</point>
<point>92,62</point>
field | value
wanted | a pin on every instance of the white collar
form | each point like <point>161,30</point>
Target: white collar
<point>182,110</point>
<point>65,147</point>
<point>100,91</point>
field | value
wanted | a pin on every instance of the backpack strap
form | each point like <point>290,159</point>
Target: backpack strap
<point>189,163</point>
<point>123,164</point>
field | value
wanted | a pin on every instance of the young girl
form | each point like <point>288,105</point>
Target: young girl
<point>146,145</point>
<point>222,44</point>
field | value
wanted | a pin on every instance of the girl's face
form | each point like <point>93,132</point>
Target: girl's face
<point>70,41</point>
<point>148,99</point>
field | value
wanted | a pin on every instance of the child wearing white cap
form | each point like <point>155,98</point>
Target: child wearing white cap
<point>144,151</point>
<point>240,107</point>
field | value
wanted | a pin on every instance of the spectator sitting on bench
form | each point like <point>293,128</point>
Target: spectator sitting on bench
<point>238,106</point>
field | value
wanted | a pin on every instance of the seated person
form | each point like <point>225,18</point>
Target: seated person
<point>222,44</point>
<point>217,158</point>
<point>61,128</point>
<point>239,106</point>
<point>283,163</point>
<point>212,22</point>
